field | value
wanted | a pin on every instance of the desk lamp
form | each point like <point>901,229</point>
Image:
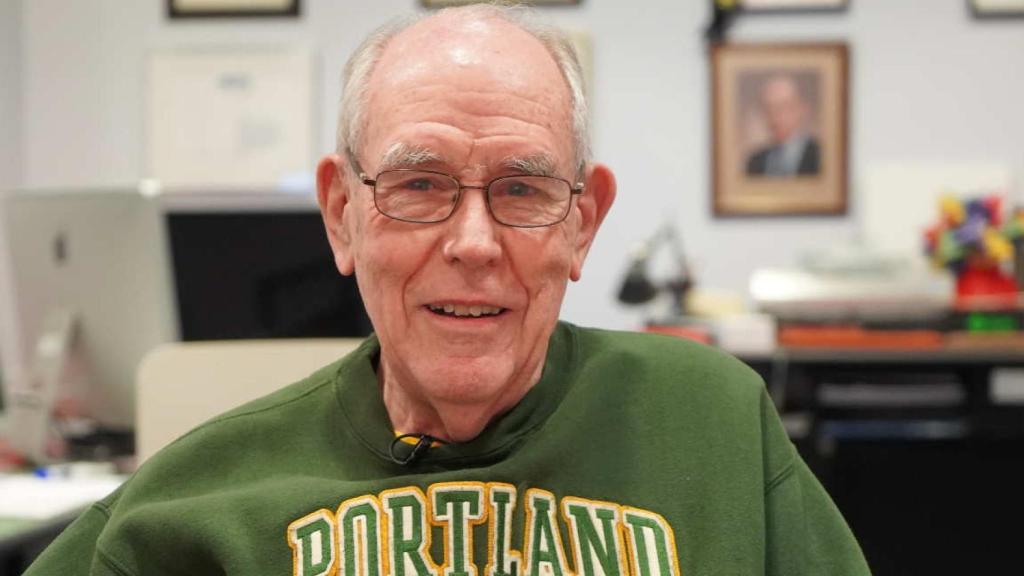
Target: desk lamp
<point>637,286</point>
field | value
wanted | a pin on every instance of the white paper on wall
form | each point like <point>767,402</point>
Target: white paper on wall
<point>900,201</point>
<point>230,118</point>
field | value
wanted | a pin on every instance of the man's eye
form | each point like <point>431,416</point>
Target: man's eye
<point>520,189</point>
<point>418,185</point>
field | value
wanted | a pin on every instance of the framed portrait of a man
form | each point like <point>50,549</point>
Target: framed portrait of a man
<point>779,129</point>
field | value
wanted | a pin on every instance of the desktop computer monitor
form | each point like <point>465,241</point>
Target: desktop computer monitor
<point>253,271</point>
<point>91,286</point>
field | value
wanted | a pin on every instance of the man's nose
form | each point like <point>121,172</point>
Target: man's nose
<point>472,236</point>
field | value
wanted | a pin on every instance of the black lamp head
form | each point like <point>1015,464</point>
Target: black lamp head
<point>636,287</point>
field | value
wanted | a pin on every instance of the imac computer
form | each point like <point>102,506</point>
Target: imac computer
<point>99,278</point>
<point>92,291</point>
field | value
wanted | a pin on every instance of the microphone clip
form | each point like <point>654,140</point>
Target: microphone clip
<point>423,443</point>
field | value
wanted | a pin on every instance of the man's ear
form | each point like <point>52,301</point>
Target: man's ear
<point>333,194</point>
<point>593,204</point>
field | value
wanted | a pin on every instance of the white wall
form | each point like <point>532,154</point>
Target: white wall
<point>10,92</point>
<point>10,167</point>
<point>929,83</point>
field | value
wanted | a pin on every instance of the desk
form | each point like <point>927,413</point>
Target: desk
<point>918,503</point>
<point>795,375</point>
<point>22,540</point>
<point>33,511</point>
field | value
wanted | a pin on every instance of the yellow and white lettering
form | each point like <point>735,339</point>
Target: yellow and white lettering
<point>311,539</point>
<point>595,537</point>
<point>542,541</point>
<point>457,507</point>
<point>359,537</point>
<point>652,544</point>
<point>502,560</point>
<point>408,534</point>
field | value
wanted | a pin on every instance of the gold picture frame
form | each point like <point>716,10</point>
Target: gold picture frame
<point>779,129</point>
<point>232,8</point>
<point>997,8</point>
<point>447,3</point>
<point>793,5</point>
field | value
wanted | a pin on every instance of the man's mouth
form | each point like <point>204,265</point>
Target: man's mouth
<point>460,311</point>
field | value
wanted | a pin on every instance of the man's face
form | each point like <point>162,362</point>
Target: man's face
<point>467,99</point>
<point>783,107</point>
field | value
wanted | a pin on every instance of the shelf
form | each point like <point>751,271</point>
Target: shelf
<point>944,355</point>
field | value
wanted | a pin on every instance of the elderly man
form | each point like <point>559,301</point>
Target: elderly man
<point>793,152</point>
<point>474,435</point>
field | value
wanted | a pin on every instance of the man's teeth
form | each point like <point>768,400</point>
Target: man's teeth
<point>474,311</point>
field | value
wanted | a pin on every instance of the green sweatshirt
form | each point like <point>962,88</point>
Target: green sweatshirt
<point>635,455</point>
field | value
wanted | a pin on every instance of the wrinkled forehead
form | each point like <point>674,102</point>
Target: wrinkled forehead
<point>479,65</point>
<point>489,48</point>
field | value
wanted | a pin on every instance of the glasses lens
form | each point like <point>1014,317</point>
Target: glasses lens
<point>529,200</point>
<point>415,196</point>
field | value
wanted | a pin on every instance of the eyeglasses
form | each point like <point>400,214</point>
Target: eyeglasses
<point>424,197</point>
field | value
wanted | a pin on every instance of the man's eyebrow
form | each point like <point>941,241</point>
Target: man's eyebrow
<point>534,165</point>
<point>402,155</point>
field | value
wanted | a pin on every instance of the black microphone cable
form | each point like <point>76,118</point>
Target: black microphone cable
<point>423,443</point>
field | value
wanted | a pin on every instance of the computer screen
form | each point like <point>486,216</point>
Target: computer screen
<point>91,266</point>
<point>259,274</point>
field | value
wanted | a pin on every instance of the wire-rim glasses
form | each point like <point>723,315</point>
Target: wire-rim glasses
<point>426,197</point>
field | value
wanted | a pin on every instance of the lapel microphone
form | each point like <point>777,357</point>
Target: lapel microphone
<point>404,454</point>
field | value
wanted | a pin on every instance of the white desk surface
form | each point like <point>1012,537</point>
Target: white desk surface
<point>27,497</point>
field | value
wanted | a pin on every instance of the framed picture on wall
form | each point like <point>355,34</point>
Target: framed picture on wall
<point>444,3</point>
<point>779,129</point>
<point>997,8</point>
<point>792,5</point>
<point>231,8</point>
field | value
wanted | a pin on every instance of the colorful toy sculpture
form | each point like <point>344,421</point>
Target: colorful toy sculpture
<point>974,241</point>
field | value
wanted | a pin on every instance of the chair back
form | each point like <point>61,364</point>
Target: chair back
<point>183,384</point>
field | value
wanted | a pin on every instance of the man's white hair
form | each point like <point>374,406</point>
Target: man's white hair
<point>352,118</point>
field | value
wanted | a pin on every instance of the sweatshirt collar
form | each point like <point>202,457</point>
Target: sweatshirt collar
<point>363,411</point>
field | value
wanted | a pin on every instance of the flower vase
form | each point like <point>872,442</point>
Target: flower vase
<point>982,281</point>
